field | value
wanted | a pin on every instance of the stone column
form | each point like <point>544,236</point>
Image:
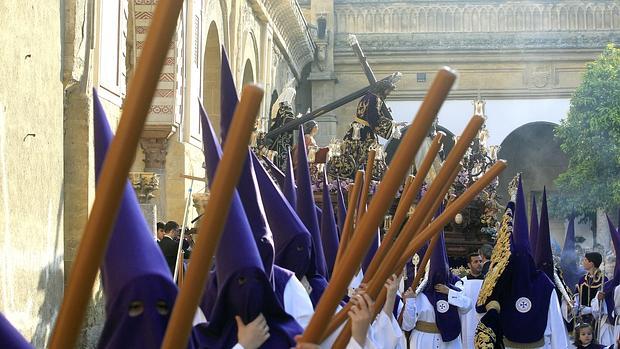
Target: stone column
<point>155,150</point>
<point>145,184</point>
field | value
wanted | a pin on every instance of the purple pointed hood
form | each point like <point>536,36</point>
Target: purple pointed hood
<point>329,230</point>
<point>342,208</point>
<point>569,259</point>
<point>520,235</point>
<point>243,288</point>
<point>543,256</point>
<point>292,240</point>
<point>139,291</point>
<point>10,337</point>
<point>306,208</point>
<point>275,171</point>
<point>289,188</point>
<point>247,186</point>
<point>529,288</point>
<point>255,212</point>
<point>534,226</point>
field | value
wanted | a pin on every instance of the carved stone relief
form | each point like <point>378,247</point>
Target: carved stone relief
<point>155,151</point>
<point>448,16</point>
<point>540,76</point>
<point>144,183</point>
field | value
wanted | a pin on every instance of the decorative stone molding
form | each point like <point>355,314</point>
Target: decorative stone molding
<point>540,76</point>
<point>165,107</point>
<point>291,28</point>
<point>368,16</point>
<point>395,42</point>
<point>200,201</point>
<point>144,183</point>
<point>155,151</point>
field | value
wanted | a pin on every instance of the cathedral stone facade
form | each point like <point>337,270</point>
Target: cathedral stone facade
<point>502,50</point>
<point>519,50</point>
<point>55,52</point>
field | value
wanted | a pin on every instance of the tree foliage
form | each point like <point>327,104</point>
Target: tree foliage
<point>590,137</point>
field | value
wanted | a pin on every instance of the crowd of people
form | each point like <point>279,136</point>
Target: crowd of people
<point>279,251</point>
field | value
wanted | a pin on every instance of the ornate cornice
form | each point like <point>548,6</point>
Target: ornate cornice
<point>364,16</point>
<point>406,42</point>
<point>291,31</point>
<point>449,2</point>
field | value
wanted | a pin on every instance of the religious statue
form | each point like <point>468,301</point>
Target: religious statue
<point>281,114</point>
<point>370,122</point>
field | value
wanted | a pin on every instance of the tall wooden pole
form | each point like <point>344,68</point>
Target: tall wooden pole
<point>114,174</point>
<point>379,205</point>
<point>210,230</point>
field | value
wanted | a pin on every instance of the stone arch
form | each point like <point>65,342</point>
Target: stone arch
<point>537,19</point>
<point>541,160</point>
<point>615,17</point>
<point>248,73</point>
<point>493,24</point>
<point>387,23</point>
<point>392,21</point>
<point>519,20</point>
<point>581,18</point>
<point>422,21</point>
<point>449,22</point>
<point>467,16</point>
<point>501,20</point>
<point>212,64</point>
<point>218,14</point>
<point>563,22</point>
<point>484,20</point>
<point>432,23</point>
<point>599,17</point>
<point>555,18</point>
<point>510,19</point>
<point>359,21</point>
<point>414,20</point>
<point>250,54</point>
<point>458,20</point>
<point>589,18</point>
<point>527,23</point>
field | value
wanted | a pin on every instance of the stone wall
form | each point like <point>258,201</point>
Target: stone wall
<point>47,181</point>
<point>31,165</point>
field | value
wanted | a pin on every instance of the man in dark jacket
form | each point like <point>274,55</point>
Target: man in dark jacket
<point>169,244</point>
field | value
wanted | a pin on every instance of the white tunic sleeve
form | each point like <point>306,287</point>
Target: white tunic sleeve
<point>238,346</point>
<point>459,300</point>
<point>328,343</point>
<point>386,333</point>
<point>411,314</point>
<point>297,302</point>
<point>598,307</point>
<point>555,332</point>
<point>567,313</point>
